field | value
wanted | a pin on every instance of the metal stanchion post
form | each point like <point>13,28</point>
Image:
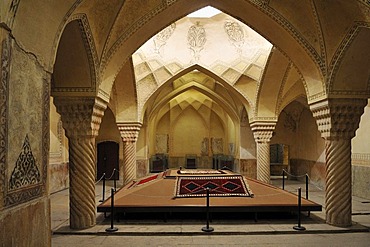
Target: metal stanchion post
<point>307,186</point>
<point>102,200</point>
<point>308,213</point>
<point>299,227</point>
<point>207,228</point>
<point>112,228</point>
<point>114,179</point>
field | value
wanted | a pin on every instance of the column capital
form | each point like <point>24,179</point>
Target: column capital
<point>129,131</point>
<point>338,118</point>
<point>80,116</point>
<point>262,131</point>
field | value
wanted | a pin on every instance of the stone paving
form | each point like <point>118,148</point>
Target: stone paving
<point>187,232</point>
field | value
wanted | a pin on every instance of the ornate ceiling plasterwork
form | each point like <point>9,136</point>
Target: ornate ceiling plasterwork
<point>198,41</point>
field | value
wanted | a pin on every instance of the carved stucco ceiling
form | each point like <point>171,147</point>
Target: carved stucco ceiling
<point>220,44</point>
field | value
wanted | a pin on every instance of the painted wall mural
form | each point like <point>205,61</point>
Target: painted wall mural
<point>161,144</point>
<point>205,146</point>
<point>217,146</point>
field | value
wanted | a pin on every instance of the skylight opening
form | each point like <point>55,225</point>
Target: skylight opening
<point>206,12</point>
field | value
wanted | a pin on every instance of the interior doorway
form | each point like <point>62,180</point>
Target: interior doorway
<point>279,159</point>
<point>108,157</point>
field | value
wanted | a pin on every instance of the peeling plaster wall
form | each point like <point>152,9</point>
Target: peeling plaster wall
<point>25,135</point>
<point>26,225</point>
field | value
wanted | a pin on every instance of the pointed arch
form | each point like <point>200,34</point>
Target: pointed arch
<point>260,17</point>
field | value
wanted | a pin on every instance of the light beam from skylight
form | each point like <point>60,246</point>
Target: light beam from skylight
<point>206,12</point>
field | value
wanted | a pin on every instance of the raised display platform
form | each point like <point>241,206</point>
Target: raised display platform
<point>230,192</point>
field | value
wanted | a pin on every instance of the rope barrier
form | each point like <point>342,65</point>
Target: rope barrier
<point>113,173</point>
<point>314,184</point>
<point>299,176</point>
<point>100,178</point>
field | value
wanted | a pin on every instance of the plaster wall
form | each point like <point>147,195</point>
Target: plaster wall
<point>361,157</point>
<point>188,133</point>
<point>195,130</point>
<point>108,130</point>
<point>58,155</point>
<point>297,128</point>
<point>247,143</point>
<point>26,225</point>
<point>360,143</point>
<point>247,164</point>
<point>142,160</point>
<point>191,130</point>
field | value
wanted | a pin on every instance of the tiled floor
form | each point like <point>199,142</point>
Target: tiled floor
<point>236,232</point>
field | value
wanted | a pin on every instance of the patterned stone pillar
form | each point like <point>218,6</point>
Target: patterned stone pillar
<point>129,133</point>
<point>337,120</point>
<point>262,132</point>
<point>81,118</point>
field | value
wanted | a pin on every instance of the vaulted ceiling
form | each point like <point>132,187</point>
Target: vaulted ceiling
<point>319,49</point>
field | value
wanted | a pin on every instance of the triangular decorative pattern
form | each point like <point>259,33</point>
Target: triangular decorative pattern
<point>196,186</point>
<point>25,172</point>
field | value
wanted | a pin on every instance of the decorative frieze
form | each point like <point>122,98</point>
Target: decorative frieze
<point>361,159</point>
<point>26,172</point>
<point>4,97</point>
<point>80,116</point>
<point>338,118</point>
<point>263,131</point>
<point>129,131</point>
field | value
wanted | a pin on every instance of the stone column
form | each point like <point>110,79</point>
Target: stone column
<point>129,133</point>
<point>262,132</point>
<point>81,118</point>
<point>337,120</point>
